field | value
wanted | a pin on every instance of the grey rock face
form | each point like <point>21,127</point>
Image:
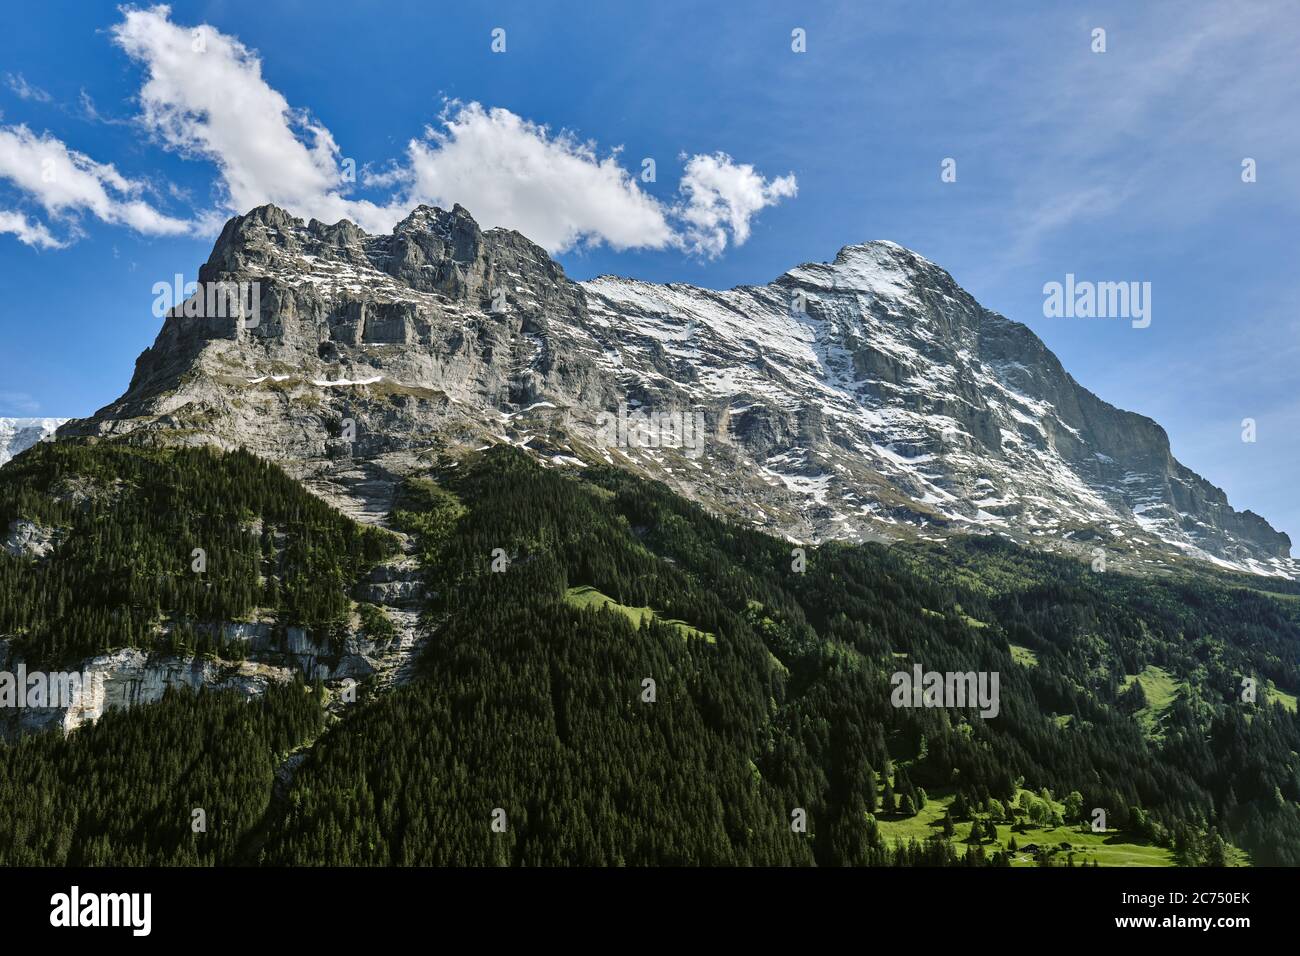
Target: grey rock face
<point>26,539</point>
<point>866,398</point>
<point>395,585</point>
<point>128,677</point>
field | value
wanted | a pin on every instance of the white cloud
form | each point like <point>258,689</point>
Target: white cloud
<point>555,189</point>
<point>18,83</point>
<point>27,230</point>
<point>552,188</point>
<point>205,96</point>
<point>66,182</point>
<point>721,196</point>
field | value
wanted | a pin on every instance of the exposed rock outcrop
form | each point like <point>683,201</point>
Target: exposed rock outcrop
<point>26,539</point>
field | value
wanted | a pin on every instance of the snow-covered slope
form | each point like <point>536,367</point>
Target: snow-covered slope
<point>19,434</point>
<point>866,398</point>
<point>879,368</point>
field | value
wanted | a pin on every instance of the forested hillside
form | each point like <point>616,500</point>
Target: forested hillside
<point>612,676</point>
<point>125,791</point>
<point>121,526</point>
<point>772,693</point>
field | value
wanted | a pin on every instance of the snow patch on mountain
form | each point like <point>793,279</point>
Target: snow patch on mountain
<point>19,434</point>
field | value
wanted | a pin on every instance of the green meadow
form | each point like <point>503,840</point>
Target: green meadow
<point>1161,689</point>
<point>586,596</point>
<point>1023,656</point>
<point>1111,848</point>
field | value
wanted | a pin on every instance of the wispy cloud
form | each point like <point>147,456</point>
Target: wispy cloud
<point>67,183</point>
<point>28,231</point>
<point>19,85</point>
<point>92,112</point>
<point>19,402</point>
<point>1105,134</point>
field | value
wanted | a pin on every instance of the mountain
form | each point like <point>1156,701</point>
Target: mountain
<point>405,483</point>
<point>870,398</point>
<point>19,434</point>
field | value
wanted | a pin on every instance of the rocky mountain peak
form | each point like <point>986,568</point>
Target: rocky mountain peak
<point>870,397</point>
<point>879,267</point>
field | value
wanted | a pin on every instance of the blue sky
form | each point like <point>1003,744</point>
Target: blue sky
<point>1114,166</point>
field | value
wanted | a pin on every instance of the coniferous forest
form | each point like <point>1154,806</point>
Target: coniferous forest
<point>611,676</point>
<point>126,528</point>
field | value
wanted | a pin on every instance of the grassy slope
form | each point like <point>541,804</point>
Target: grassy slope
<point>586,596</point>
<point>1107,849</point>
<point>1161,689</point>
<point>1023,656</point>
<point>1286,700</point>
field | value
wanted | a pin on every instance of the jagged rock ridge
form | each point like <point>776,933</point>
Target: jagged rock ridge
<point>866,398</point>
